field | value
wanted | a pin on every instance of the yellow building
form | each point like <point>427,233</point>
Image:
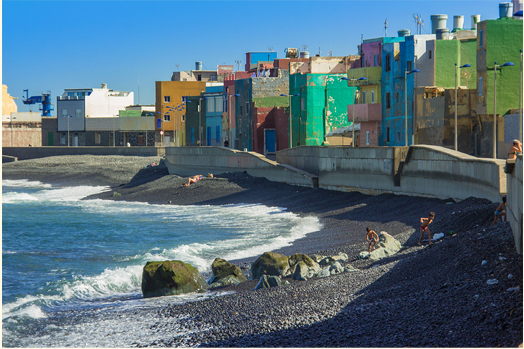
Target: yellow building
<point>8,102</point>
<point>169,118</point>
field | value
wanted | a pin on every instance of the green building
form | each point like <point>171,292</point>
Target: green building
<point>320,108</point>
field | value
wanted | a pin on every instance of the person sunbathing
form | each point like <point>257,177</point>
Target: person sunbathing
<point>192,180</point>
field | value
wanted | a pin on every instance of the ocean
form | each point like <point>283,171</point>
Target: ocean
<point>72,268</point>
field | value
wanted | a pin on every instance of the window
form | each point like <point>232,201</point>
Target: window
<point>218,134</point>
<point>364,93</point>
<point>429,54</point>
<point>398,97</point>
<point>388,100</point>
<point>98,138</point>
<point>481,38</point>
<point>78,113</point>
<point>372,97</point>
<point>192,134</point>
<point>375,60</point>
<point>167,117</point>
<point>63,139</point>
<point>481,85</point>
<point>167,99</point>
<point>388,62</point>
<point>410,66</point>
<point>367,137</point>
<point>240,110</point>
<point>219,104</point>
<point>213,78</point>
<point>387,134</point>
<point>210,102</point>
<point>199,77</point>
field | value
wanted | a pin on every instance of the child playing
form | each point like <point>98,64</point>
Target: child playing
<point>424,227</point>
<point>372,238</point>
<point>500,211</point>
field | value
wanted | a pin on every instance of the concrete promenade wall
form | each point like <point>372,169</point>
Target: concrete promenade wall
<point>514,200</point>
<point>25,153</point>
<point>187,161</point>
<point>429,171</point>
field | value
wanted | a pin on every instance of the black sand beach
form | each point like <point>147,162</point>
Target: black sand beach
<point>424,296</point>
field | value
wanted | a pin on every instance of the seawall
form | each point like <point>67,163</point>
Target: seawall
<point>514,200</point>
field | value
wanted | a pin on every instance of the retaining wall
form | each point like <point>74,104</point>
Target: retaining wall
<point>186,161</point>
<point>420,170</point>
<point>514,199</point>
<point>25,153</point>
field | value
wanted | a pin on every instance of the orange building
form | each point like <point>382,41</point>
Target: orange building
<point>169,116</point>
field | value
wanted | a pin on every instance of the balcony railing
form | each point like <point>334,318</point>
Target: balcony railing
<point>365,112</point>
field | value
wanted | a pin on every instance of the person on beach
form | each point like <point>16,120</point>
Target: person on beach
<point>372,238</point>
<point>515,150</point>
<point>500,211</point>
<point>424,227</point>
<point>192,180</point>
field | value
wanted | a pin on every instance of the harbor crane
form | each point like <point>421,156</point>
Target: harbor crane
<point>44,99</point>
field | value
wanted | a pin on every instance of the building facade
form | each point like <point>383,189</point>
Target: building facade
<point>90,116</point>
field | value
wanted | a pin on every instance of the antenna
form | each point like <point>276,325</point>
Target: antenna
<point>386,27</point>
<point>419,22</point>
<point>138,97</point>
<point>238,63</point>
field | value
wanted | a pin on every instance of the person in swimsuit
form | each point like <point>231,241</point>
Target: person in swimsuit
<point>192,180</point>
<point>372,238</point>
<point>515,149</point>
<point>499,212</point>
<point>424,227</point>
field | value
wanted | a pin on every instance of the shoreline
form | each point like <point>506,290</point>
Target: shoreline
<point>441,288</point>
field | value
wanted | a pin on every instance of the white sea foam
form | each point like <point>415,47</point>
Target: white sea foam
<point>24,183</point>
<point>47,193</point>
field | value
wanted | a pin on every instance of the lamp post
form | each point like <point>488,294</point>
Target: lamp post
<point>456,129</point>
<point>69,116</point>
<point>507,64</point>
<point>353,108</point>
<point>520,98</point>
<point>406,72</point>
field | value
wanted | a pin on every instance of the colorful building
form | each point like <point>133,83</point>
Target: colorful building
<point>319,98</point>
<point>168,119</point>
<point>499,40</point>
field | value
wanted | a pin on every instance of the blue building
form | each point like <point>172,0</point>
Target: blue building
<point>402,56</point>
<point>214,105</point>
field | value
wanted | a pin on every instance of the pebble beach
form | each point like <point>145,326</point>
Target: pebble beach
<point>463,291</point>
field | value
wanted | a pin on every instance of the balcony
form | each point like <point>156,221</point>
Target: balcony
<point>365,112</point>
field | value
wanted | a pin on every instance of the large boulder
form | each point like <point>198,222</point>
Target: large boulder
<point>171,278</point>
<point>225,273</point>
<point>302,266</point>
<point>386,246</point>
<point>267,281</point>
<point>270,263</point>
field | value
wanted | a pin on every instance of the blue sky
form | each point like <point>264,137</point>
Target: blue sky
<point>54,45</point>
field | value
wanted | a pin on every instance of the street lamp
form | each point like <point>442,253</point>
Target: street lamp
<point>406,72</point>
<point>353,108</point>
<point>229,120</point>
<point>507,64</point>
<point>456,68</point>
<point>290,119</point>
<point>520,96</point>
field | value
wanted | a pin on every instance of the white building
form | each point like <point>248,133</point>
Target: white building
<point>95,110</point>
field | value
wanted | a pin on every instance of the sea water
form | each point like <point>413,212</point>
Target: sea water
<point>72,268</point>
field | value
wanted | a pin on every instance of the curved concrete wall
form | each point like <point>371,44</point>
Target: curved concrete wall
<point>186,161</point>
<point>514,200</point>
<point>25,153</point>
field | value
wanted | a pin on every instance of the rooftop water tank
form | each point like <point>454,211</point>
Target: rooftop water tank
<point>438,22</point>
<point>198,65</point>
<point>505,9</point>
<point>442,34</point>
<point>458,22</point>
<point>403,33</point>
<point>304,54</point>
<point>474,20</point>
